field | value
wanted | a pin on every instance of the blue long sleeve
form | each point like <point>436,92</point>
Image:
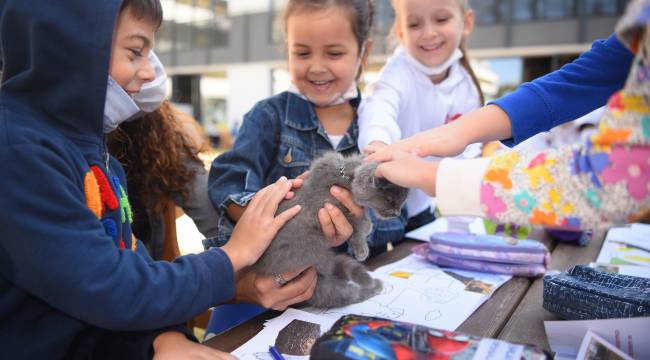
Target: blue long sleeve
<point>568,93</point>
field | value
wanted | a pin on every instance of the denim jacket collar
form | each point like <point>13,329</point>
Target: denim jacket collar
<point>300,114</point>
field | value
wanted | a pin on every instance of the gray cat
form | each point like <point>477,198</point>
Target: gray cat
<point>341,279</point>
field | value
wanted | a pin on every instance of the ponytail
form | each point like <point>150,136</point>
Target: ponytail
<point>464,61</point>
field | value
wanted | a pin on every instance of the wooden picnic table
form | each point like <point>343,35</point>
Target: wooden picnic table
<point>513,313</point>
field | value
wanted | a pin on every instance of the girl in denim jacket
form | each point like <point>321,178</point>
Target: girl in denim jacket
<point>327,41</point>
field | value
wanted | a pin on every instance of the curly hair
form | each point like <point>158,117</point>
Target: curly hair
<point>153,151</point>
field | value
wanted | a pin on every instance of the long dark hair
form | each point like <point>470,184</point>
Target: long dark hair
<point>153,151</point>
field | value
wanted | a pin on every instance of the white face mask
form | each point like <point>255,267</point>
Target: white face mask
<point>431,70</point>
<point>153,93</point>
<point>351,93</point>
<point>119,106</point>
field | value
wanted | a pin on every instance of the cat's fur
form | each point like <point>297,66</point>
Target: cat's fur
<point>341,279</point>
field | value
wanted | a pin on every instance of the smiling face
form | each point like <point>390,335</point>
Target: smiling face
<point>323,53</point>
<point>431,30</point>
<point>133,39</point>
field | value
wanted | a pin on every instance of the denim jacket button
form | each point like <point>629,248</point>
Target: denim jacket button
<point>288,158</point>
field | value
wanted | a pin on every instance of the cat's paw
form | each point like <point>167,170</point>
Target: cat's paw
<point>377,287</point>
<point>361,253</point>
<point>374,289</point>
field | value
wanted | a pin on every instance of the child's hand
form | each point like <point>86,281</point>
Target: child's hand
<point>336,227</point>
<point>259,225</point>
<point>374,146</point>
<point>440,141</point>
<point>481,125</point>
<point>174,345</point>
<point>265,291</point>
<point>297,184</point>
<point>410,171</point>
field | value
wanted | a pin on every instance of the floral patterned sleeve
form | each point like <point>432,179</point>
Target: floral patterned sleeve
<point>600,183</point>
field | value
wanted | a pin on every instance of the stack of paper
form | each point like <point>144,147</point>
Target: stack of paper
<point>573,339</point>
<point>626,250</point>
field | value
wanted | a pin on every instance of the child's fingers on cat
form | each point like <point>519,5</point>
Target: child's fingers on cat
<point>290,275</point>
<point>283,217</point>
<point>342,227</point>
<point>345,197</point>
<point>327,226</point>
<point>272,195</point>
<point>303,176</point>
<point>369,150</point>
<point>380,155</point>
<point>300,288</point>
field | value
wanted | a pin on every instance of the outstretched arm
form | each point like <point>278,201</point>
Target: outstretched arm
<point>563,95</point>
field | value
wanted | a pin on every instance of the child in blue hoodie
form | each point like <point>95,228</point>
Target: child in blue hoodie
<point>74,282</point>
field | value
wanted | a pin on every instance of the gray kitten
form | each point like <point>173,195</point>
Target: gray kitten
<point>341,279</point>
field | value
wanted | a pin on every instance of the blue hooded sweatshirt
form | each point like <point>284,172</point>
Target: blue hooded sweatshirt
<point>68,263</point>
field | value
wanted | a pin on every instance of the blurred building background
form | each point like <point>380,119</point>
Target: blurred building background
<point>224,56</point>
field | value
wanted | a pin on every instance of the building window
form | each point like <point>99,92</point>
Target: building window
<point>194,24</point>
<point>489,12</point>
<point>605,7</point>
<point>556,9</point>
<point>523,10</point>
<point>384,17</point>
<point>531,10</point>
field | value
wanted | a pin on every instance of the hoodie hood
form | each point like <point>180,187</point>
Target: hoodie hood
<point>55,60</point>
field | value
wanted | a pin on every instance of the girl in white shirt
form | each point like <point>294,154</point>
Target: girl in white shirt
<point>426,83</point>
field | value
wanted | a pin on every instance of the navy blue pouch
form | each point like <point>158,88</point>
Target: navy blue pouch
<point>580,238</point>
<point>584,293</point>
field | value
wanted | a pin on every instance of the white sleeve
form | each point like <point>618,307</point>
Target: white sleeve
<point>458,186</point>
<point>380,109</point>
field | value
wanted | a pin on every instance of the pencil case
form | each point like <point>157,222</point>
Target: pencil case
<point>362,337</point>
<point>486,253</point>
<point>580,238</point>
<point>584,293</point>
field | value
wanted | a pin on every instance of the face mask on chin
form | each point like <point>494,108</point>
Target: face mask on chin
<point>153,93</point>
<point>119,106</point>
<point>432,70</point>
<point>351,93</point>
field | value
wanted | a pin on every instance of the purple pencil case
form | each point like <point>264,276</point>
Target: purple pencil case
<point>486,253</point>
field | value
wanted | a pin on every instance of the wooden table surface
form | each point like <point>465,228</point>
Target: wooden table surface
<point>513,313</point>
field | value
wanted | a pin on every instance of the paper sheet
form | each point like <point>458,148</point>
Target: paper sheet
<point>629,335</point>
<point>469,224</point>
<point>419,292</point>
<point>632,270</point>
<point>626,246</point>
<point>257,347</point>
<point>594,347</point>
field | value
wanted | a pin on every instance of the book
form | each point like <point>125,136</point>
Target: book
<point>361,337</point>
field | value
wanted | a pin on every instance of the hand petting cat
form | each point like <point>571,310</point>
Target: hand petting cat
<point>259,225</point>
<point>264,290</point>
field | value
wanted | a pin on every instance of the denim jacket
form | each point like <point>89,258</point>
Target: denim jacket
<point>280,136</point>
